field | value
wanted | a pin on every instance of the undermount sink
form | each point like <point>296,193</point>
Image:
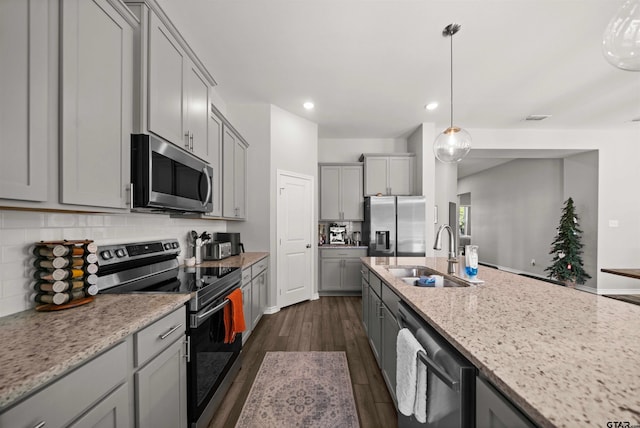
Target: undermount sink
<point>418,271</point>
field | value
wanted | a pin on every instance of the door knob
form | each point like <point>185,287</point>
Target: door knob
<point>308,245</point>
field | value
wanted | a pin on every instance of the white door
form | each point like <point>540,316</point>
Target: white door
<point>295,231</point>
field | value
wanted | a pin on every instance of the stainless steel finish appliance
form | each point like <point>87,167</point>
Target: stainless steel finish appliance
<point>450,378</point>
<point>337,234</point>
<point>166,178</point>
<point>394,226</point>
<point>152,267</point>
<point>216,250</point>
<point>234,238</point>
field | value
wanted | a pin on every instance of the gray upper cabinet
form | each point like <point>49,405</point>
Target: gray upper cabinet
<point>234,170</point>
<point>389,174</point>
<point>96,102</point>
<point>341,188</point>
<point>23,110</point>
<point>215,159</point>
<point>172,87</point>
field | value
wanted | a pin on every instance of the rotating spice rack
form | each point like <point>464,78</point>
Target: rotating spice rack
<point>65,275</point>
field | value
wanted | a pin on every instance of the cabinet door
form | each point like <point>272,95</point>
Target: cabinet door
<point>228,174</point>
<point>161,390</point>
<point>112,412</point>
<point>365,305</point>
<point>331,274</point>
<point>197,114</point>
<point>24,33</point>
<point>166,95</point>
<point>495,411</point>
<point>255,303</point>
<point>401,171</point>
<point>215,159</point>
<point>375,326</point>
<point>351,275</point>
<point>375,180</point>
<point>96,103</point>
<point>351,195</point>
<point>246,310</point>
<point>330,187</point>
<point>240,179</point>
<point>389,334</point>
<point>264,290</point>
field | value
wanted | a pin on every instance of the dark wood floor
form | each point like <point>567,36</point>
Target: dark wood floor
<point>327,324</point>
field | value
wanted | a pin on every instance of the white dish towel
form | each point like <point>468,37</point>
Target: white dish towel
<point>411,377</point>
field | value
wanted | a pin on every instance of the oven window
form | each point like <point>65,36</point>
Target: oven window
<point>211,360</point>
<point>173,178</point>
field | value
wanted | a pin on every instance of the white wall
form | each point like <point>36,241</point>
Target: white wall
<point>515,208</point>
<point>20,229</point>
<point>618,176</point>
<point>350,149</point>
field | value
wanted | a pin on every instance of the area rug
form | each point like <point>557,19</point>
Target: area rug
<point>301,389</point>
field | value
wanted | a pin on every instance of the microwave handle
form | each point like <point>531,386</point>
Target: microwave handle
<point>206,199</point>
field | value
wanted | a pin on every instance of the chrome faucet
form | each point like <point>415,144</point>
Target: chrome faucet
<point>452,247</point>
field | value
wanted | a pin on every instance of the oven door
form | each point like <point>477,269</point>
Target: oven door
<point>211,359</point>
<point>168,178</point>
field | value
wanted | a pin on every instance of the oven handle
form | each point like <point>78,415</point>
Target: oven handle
<point>207,314</point>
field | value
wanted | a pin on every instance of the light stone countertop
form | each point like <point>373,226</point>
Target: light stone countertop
<point>243,260</point>
<point>345,246</point>
<point>39,347</point>
<point>567,358</point>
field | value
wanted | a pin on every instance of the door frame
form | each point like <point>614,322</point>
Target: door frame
<point>313,294</point>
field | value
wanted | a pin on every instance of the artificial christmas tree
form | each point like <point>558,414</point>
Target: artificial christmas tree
<point>566,249</point>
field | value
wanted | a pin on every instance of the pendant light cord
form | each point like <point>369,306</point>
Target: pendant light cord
<point>451,78</point>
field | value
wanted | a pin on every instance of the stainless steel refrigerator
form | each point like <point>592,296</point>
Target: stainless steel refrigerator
<point>394,226</point>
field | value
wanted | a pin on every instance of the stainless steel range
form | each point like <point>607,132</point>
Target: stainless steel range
<point>153,267</point>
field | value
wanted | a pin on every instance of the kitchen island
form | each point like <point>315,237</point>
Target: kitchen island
<point>565,357</point>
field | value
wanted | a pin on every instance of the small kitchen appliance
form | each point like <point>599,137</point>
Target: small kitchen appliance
<point>216,251</point>
<point>337,234</point>
<point>153,267</point>
<point>234,238</point>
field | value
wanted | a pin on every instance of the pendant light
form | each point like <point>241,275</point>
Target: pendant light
<point>621,40</point>
<point>453,143</point>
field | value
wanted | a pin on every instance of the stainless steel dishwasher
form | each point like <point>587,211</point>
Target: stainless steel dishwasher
<point>450,378</point>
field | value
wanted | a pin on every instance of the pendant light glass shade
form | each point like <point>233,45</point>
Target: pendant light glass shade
<point>453,143</point>
<point>621,40</point>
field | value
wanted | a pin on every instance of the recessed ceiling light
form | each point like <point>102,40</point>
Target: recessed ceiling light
<point>308,105</point>
<point>431,106</point>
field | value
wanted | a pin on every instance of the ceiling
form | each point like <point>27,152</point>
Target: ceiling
<point>370,66</point>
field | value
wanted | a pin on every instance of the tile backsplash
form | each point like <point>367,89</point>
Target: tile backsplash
<point>19,230</point>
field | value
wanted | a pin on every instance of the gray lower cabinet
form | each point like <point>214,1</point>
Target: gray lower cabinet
<point>375,326</point>
<point>389,355</point>
<point>255,294</point>
<point>111,412</point>
<point>246,302</point>
<point>340,270</point>
<point>493,410</point>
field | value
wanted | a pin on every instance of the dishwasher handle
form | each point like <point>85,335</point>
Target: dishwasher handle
<point>453,384</point>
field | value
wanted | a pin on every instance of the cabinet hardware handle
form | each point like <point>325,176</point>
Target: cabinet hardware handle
<point>191,140</point>
<point>206,174</point>
<point>187,143</point>
<point>130,195</point>
<point>40,425</point>
<point>381,313</point>
<point>164,336</point>
<point>187,354</point>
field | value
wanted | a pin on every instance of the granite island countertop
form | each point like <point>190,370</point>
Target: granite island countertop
<point>39,347</point>
<point>567,358</point>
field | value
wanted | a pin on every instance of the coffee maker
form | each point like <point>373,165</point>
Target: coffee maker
<point>337,234</point>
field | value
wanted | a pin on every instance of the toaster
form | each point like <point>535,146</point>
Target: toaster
<point>216,251</point>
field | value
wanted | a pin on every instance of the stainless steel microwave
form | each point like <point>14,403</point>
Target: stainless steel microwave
<point>166,178</point>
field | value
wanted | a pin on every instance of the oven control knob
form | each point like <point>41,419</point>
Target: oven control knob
<point>175,245</point>
<point>167,246</point>
<point>106,254</point>
<point>120,252</point>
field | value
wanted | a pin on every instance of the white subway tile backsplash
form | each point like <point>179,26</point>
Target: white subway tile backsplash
<point>22,220</point>
<point>19,230</point>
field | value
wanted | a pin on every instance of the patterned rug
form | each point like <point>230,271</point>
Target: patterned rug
<point>301,389</point>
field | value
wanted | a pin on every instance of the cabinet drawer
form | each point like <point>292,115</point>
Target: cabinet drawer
<point>246,276</point>
<point>162,333</point>
<point>376,284</point>
<point>335,253</point>
<point>365,273</point>
<point>259,267</point>
<point>390,299</point>
<point>59,403</point>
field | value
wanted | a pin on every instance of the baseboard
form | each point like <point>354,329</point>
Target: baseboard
<point>271,310</point>
<point>618,291</point>
<point>315,296</point>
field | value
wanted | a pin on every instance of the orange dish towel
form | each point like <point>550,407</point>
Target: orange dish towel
<point>233,316</point>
